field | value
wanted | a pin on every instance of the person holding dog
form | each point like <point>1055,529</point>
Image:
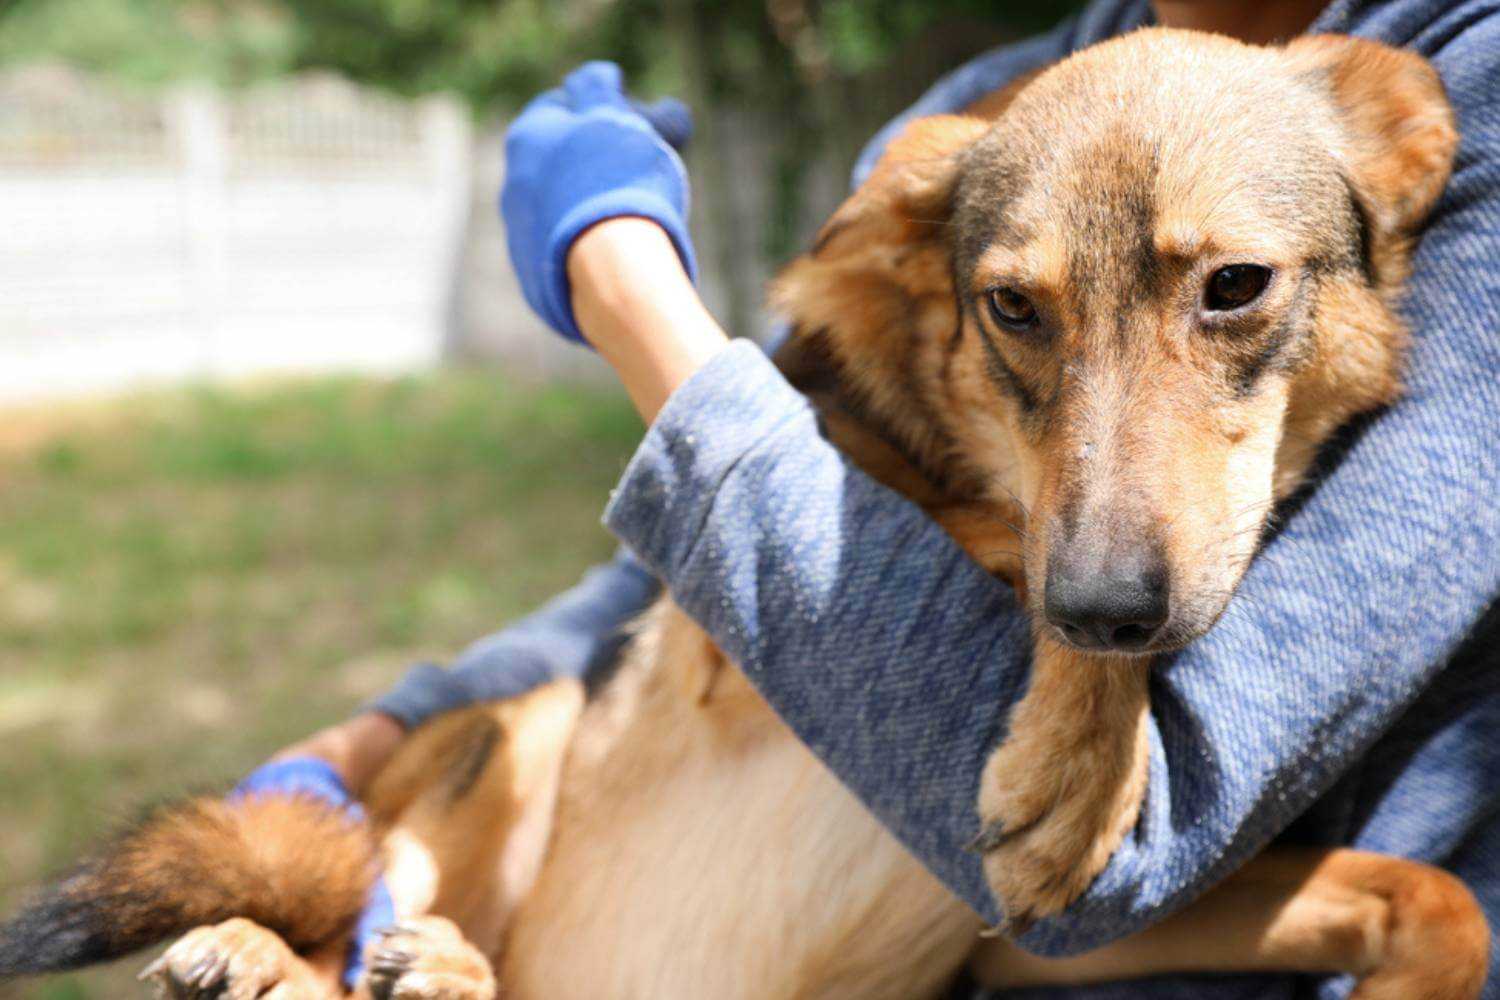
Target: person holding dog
<point>1371,631</point>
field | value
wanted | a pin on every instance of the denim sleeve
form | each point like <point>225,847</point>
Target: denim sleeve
<point>574,635</point>
<point>895,658</point>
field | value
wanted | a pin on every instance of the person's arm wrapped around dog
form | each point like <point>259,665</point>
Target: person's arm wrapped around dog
<point>896,658</point>
<point>571,636</point>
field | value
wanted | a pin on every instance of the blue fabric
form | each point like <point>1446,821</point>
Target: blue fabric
<point>314,778</point>
<point>379,914</point>
<point>576,156</point>
<point>574,635</point>
<point>299,776</point>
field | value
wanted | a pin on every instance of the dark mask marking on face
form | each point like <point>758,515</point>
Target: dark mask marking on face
<point>956,338</point>
<point>1360,249</point>
<point>1004,376</point>
<point>1120,223</point>
<point>1276,352</point>
<point>988,186</point>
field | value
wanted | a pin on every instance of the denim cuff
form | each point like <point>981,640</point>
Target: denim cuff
<point>707,427</point>
<point>424,691</point>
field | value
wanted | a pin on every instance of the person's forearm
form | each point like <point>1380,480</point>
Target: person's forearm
<point>639,310</point>
<point>569,636</point>
<point>356,748</point>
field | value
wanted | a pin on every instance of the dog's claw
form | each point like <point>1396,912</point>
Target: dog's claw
<point>1010,927</point>
<point>991,838</point>
<point>153,970</point>
<point>1016,926</point>
<point>160,979</point>
<point>393,961</point>
<point>426,958</point>
<point>208,971</point>
<point>204,979</point>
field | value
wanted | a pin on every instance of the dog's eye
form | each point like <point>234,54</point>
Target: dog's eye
<point>1011,308</point>
<point>1235,286</point>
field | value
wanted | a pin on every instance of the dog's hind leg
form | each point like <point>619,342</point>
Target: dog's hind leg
<point>425,958</point>
<point>240,960</point>
<point>465,810</point>
<point>1407,931</point>
<point>466,807</point>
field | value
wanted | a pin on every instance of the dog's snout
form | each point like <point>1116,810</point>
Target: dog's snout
<point>1116,604</point>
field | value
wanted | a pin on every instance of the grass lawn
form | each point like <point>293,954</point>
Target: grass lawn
<point>190,579</point>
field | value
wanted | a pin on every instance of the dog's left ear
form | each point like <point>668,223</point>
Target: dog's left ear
<point>885,249</point>
<point>908,196</point>
<point>1399,129</point>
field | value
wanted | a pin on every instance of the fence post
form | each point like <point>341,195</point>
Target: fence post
<point>200,125</point>
<point>448,147</point>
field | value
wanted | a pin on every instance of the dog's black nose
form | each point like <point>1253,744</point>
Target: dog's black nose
<point>1120,605</point>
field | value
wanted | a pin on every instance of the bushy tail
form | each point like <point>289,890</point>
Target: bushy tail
<point>296,866</point>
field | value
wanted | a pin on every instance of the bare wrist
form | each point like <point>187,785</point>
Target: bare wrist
<point>637,307</point>
<point>357,748</point>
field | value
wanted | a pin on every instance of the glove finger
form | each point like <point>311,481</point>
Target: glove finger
<point>595,84</point>
<point>554,98</point>
<point>541,122</point>
<point>671,119</point>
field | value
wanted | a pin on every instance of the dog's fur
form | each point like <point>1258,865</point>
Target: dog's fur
<point>672,838</point>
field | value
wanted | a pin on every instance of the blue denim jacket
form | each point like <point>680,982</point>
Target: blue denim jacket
<point>1356,700</point>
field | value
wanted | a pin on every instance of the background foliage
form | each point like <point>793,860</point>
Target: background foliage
<point>494,52</point>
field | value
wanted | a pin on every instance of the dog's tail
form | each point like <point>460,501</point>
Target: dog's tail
<point>295,865</point>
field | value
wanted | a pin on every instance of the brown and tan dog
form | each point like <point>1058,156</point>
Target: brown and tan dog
<point>1097,327</point>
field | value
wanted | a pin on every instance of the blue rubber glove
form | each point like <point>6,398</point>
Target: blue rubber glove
<point>575,157</point>
<point>316,779</point>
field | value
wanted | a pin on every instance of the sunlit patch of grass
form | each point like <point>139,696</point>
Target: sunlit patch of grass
<point>201,576</point>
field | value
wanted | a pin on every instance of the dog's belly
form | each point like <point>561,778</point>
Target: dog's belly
<point>700,850</point>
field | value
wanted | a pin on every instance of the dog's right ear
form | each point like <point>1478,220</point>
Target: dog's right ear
<point>1399,131</point>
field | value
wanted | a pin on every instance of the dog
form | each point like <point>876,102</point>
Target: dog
<point>1098,326</point>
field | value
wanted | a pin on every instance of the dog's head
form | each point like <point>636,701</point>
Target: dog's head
<point>1136,294</point>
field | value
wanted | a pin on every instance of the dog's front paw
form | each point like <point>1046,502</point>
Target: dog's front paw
<point>427,958</point>
<point>1060,794</point>
<point>1042,837</point>
<point>235,960</point>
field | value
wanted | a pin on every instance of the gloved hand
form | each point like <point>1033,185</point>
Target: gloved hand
<point>579,155</point>
<point>313,778</point>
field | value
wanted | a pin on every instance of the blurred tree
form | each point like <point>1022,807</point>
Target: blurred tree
<point>151,41</point>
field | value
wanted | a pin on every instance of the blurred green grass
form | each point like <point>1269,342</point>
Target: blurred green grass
<point>191,579</point>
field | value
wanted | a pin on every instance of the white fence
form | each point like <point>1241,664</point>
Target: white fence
<point>307,226</point>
